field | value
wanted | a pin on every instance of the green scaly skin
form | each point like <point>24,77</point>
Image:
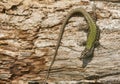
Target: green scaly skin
<point>92,37</point>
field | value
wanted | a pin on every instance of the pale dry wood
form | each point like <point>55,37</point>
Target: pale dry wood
<point>27,47</point>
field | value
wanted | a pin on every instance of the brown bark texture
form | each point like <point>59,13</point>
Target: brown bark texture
<point>28,34</point>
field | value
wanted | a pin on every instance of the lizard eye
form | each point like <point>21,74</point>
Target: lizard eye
<point>84,54</point>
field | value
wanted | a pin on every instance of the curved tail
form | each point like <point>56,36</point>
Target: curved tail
<point>90,39</point>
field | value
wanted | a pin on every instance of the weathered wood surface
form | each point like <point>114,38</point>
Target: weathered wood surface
<point>28,33</point>
<point>107,0</point>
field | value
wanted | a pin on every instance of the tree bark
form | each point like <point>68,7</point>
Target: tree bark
<point>28,33</point>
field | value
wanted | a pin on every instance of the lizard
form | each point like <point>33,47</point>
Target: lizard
<point>92,37</point>
<point>88,51</point>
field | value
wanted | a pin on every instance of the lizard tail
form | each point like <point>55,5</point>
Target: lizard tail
<point>80,11</point>
<point>58,42</point>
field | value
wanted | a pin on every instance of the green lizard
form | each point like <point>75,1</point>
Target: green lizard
<point>92,38</point>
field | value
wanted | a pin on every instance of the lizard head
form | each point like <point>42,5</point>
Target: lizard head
<point>86,53</point>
